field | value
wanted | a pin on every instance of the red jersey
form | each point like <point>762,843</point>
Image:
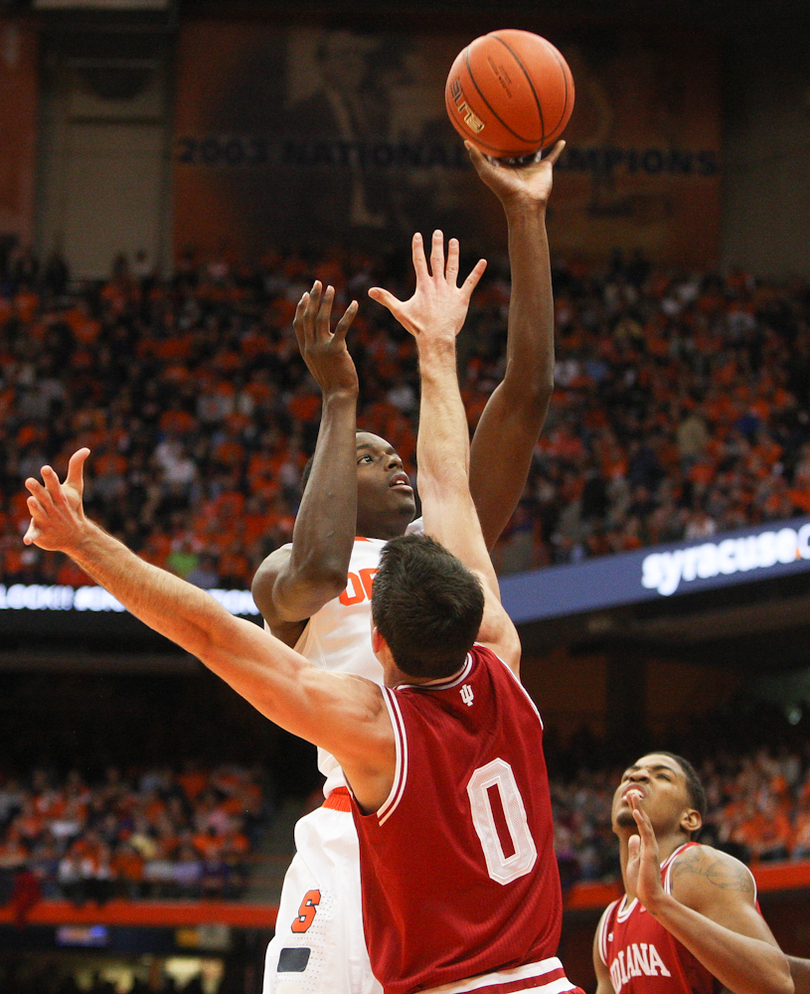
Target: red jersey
<point>642,956</point>
<point>458,870</point>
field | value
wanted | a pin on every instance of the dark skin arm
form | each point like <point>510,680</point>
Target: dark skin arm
<point>296,581</point>
<point>511,422</point>
<point>799,972</point>
<point>292,584</point>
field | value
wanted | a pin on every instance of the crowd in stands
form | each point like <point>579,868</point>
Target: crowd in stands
<point>681,404</point>
<point>194,833</point>
<point>154,833</point>
<point>681,408</point>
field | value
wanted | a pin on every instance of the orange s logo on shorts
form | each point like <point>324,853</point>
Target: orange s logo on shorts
<point>307,911</point>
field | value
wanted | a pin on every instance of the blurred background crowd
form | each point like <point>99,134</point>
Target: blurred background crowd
<point>197,830</point>
<point>680,408</point>
<point>680,403</point>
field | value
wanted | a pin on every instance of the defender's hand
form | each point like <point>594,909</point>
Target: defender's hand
<point>57,512</point>
<point>438,306</point>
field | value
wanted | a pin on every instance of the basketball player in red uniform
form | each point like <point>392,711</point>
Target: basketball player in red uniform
<point>358,487</point>
<point>460,887</point>
<point>688,922</point>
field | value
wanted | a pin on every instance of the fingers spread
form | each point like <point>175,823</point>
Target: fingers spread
<point>384,297</point>
<point>346,321</point>
<point>437,253</point>
<point>473,279</point>
<point>325,308</point>
<point>418,252</point>
<point>75,473</point>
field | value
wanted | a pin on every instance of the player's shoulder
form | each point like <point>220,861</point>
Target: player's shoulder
<point>698,869</point>
<point>416,527</point>
<point>698,854</point>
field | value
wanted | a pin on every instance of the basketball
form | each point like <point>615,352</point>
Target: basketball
<point>510,93</point>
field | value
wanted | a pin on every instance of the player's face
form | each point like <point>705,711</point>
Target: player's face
<point>383,486</point>
<point>660,784</point>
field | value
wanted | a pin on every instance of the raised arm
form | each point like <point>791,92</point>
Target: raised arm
<point>510,424</point>
<point>295,581</point>
<point>341,713</point>
<point>711,911</point>
<point>434,315</point>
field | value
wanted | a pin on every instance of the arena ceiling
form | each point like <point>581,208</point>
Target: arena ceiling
<point>726,16</point>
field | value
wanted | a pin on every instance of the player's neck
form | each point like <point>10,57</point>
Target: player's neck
<point>382,528</point>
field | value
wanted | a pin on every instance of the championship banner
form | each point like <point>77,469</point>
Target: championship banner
<point>18,103</point>
<point>290,136</point>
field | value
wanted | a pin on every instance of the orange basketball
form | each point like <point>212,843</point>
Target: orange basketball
<point>510,93</point>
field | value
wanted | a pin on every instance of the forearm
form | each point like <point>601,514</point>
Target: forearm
<point>324,529</point>
<point>742,963</point>
<point>183,613</point>
<point>443,458</point>
<point>514,415</point>
<point>530,340</point>
<point>442,447</point>
<point>255,664</point>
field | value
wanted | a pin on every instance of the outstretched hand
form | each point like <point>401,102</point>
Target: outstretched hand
<point>57,512</point>
<point>529,182</point>
<point>643,871</point>
<point>439,305</point>
<point>323,350</point>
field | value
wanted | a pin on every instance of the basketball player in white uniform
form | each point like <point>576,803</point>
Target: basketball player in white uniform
<point>315,593</point>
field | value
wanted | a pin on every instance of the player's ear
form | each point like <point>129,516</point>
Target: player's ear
<point>691,820</point>
<point>380,646</point>
<point>377,641</point>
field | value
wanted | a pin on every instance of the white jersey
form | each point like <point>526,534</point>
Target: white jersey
<point>338,636</point>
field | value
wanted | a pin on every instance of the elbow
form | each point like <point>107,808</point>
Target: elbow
<point>529,390</point>
<point>542,389</point>
<point>787,986</point>
<point>262,590</point>
<point>782,979</point>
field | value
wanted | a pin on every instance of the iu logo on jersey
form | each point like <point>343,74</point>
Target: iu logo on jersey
<point>467,694</point>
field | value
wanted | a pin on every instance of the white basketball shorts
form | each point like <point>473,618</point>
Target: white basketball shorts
<point>319,947</point>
